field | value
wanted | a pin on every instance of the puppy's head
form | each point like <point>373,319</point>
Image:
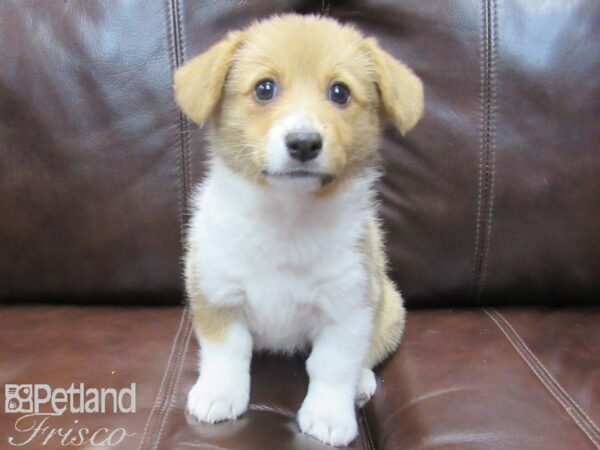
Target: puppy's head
<point>298,100</point>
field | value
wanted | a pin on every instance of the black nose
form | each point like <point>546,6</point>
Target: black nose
<point>303,145</point>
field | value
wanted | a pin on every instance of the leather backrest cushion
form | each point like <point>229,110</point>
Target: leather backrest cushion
<point>493,198</point>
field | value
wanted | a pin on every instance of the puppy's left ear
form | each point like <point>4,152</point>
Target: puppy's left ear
<point>198,84</point>
<point>400,89</point>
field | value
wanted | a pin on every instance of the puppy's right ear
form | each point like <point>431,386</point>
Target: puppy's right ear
<point>198,84</point>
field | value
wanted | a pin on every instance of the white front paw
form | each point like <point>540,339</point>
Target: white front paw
<point>330,420</point>
<point>211,402</point>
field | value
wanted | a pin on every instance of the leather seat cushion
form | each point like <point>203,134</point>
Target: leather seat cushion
<point>512,378</point>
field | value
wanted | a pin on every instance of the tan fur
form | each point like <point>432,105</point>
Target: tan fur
<point>387,301</point>
<point>305,54</point>
<point>401,90</point>
<point>210,322</point>
<point>199,83</point>
<point>218,84</point>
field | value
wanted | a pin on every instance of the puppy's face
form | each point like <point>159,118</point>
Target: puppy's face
<point>298,101</point>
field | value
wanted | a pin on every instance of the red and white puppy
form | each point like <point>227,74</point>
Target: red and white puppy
<point>284,249</point>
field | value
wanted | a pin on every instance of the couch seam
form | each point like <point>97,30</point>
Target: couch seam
<point>271,409</point>
<point>158,400</point>
<point>172,395</point>
<point>367,436</point>
<point>176,60</point>
<point>492,86</point>
<point>177,57</point>
<point>485,180</point>
<point>173,63</point>
<point>170,385</point>
<point>482,52</point>
<point>185,125</point>
<point>580,417</point>
<point>173,19</point>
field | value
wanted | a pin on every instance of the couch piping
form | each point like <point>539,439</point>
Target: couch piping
<point>185,124</point>
<point>485,190</point>
<point>171,397</point>
<point>159,400</point>
<point>174,364</point>
<point>368,441</point>
<point>203,446</point>
<point>177,57</point>
<point>579,416</point>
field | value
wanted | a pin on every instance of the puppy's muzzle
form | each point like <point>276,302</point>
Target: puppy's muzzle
<point>304,145</point>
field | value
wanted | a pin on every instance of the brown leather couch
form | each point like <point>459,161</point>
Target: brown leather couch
<point>491,206</point>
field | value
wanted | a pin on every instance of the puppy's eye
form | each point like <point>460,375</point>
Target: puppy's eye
<point>265,90</point>
<point>339,93</point>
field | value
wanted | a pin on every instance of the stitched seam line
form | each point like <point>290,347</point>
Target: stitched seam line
<point>185,125</point>
<point>367,436</point>
<point>486,147</point>
<point>172,395</point>
<point>491,139</point>
<point>363,435</point>
<point>271,409</point>
<point>173,16</point>
<point>166,374</point>
<point>170,385</point>
<point>174,61</point>
<point>482,51</point>
<point>585,423</point>
<point>546,371</point>
<point>177,57</point>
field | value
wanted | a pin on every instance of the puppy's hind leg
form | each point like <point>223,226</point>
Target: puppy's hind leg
<point>367,384</point>
<point>389,325</point>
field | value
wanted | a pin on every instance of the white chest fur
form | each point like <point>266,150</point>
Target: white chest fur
<point>290,260</point>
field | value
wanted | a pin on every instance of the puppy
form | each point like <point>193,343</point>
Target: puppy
<point>284,249</point>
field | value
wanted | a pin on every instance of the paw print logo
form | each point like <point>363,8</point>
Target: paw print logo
<point>18,398</point>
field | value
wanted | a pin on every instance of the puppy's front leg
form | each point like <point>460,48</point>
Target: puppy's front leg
<point>334,367</point>
<point>222,391</point>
